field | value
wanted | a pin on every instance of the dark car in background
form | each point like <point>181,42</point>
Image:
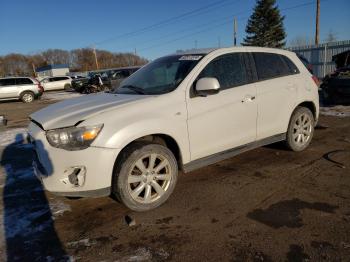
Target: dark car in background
<point>336,86</point>
<point>115,76</point>
<point>110,78</point>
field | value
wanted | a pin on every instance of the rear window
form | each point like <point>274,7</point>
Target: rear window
<point>269,65</point>
<point>23,81</point>
<point>292,67</point>
<point>7,82</point>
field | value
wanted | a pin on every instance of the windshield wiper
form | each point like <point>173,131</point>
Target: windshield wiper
<point>136,89</point>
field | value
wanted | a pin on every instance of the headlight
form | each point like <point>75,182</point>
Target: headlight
<point>73,138</point>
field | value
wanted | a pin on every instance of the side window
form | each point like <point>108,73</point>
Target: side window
<point>7,82</point>
<point>229,70</point>
<point>53,79</point>
<point>269,65</point>
<point>293,69</point>
<point>23,81</point>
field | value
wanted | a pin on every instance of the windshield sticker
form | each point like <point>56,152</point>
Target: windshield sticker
<point>190,57</point>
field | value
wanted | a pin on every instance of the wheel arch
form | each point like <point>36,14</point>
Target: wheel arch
<point>26,91</point>
<point>157,138</point>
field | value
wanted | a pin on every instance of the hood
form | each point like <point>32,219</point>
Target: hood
<point>71,111</point>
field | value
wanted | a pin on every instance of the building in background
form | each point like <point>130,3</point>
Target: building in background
<point>52,70</point>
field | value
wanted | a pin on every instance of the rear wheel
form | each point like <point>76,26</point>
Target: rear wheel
<point>27,97</point>
<point>67,87</point>
<point>145,176</point>
<point>301,129</point>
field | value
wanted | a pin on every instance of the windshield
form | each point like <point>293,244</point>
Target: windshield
<point>160,76</point>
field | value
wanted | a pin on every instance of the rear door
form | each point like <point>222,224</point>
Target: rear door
<point>276,93</point>
<point>8,88</point>
<point>23,83</point>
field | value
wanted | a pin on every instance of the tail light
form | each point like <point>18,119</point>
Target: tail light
<point>317,82</point>
<point>40,87</point>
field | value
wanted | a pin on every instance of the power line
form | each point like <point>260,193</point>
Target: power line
<point>218,25</point>
<point>186,15</point>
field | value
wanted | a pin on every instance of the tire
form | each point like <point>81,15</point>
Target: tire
<point>301,129</point>
<point>139,186</point>
<point>67,87</point>
<point>27,97</point>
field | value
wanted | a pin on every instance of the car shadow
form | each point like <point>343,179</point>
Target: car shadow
<point>29,229</point>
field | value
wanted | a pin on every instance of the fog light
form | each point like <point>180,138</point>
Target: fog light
<point>76,175</point>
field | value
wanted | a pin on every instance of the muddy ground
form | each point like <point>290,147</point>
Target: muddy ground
<point>268,204</point>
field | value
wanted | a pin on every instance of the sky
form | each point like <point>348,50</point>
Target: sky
<point>151,27</point>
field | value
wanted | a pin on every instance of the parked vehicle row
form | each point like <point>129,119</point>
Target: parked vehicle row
<point>102,80</point>
<point>182,111</point>
<point>27,89</point>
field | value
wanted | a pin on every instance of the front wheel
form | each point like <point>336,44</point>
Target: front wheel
<point>27,97</point>
<point>67,87</point>
<point>300,129</point>
<point>145,176</point>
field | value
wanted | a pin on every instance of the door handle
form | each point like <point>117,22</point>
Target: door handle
<point>248,98</point>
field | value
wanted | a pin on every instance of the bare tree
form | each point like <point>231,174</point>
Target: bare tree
<point>16,64</point>
<point>56,56</point>
<point>301,41</point>
<point>331,36</point>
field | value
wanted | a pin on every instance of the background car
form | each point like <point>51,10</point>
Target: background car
<point>116,76</point>
<point>56,83</point>
<point>336,86</point>
<point>24,88</point>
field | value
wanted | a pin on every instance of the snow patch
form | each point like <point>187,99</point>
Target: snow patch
<point>83,242</point>
<point>61,95</point>
<point>13,135</point>
<point>58,208</point>
<point>338,111</point>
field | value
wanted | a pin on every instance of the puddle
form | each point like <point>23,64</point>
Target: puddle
<point>287,213</point>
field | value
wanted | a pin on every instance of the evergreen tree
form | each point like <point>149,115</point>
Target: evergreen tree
<point>265,26</point>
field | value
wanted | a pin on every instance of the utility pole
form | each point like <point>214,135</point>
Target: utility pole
<point>195,44</point>
<point>34,70</point>
<point>219,41</point>
<point>234,31</point>
<point>317,34</point>
<point>94,51</point>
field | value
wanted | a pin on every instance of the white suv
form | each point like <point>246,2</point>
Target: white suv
<point>182,111</point>
<point>23,88</point>
<point>57,83</point>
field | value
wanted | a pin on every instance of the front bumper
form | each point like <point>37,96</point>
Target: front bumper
<point>54,166</point>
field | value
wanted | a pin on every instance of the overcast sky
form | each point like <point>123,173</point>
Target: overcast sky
<point>153,27</point>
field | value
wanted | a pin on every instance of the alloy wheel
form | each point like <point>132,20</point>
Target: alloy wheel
<point>149,178</point>
<point>302,129</point>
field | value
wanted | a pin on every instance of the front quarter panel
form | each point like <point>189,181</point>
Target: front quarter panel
<point>165,114</point>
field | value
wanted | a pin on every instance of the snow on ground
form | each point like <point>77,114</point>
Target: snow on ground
<point>60,95</point>
<point>13,135</point>
<point>339,111</point>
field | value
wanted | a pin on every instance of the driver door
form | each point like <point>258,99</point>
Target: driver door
<point>227,119</point>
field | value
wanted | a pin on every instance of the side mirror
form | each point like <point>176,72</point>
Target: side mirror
<point>207,86</point>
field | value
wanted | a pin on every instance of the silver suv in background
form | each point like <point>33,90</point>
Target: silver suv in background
<point>23,88</point>
<point>56,83</point>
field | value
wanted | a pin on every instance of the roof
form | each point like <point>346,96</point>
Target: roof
<point>206,51</point>
<point>49,67</point>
